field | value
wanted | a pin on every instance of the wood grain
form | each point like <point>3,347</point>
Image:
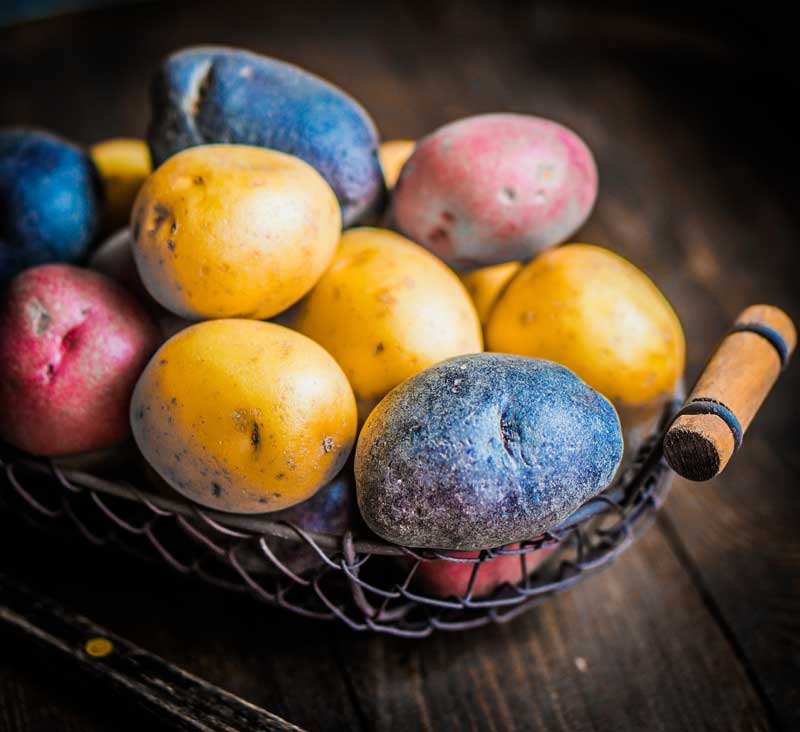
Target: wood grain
<point>697,627</point>
<point>112,663</point>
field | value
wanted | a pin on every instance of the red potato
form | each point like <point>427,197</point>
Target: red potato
<point>495,188</point>
<point>72,344</point>
<point>442,578</point>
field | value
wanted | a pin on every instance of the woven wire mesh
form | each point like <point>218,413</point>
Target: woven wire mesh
<point>358,579</point>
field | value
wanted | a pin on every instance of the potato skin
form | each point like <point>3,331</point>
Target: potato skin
<point>49,200</point>
<point>494,188</point>
<point>243,416</point>
<point>482,451</point>
<point>224,231</point>
<point>486,284</point>
<point>386,309</point>
<point>211,94</point>
<point>441,578</point>
<point>72,344</point>
<point>593,311</point>
<point>114,258</point>
<point>332,510</point>
<point>393,156</point>
<point>123,163</point>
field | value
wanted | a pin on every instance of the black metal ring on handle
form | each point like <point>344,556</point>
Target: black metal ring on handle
<point>711,406</point>
<point>771,335</point>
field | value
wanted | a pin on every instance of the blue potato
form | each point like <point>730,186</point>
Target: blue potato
<point>49,200</point>
<point>484,450</point>
<point>211,94</point>
<point>329,511</point>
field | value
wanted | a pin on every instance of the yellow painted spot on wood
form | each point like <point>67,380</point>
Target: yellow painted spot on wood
<point>98,647</point>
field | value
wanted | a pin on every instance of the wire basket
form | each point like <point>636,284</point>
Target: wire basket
<point>356,578</point>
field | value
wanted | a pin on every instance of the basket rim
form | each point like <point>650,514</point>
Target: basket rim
<point>626,482</point>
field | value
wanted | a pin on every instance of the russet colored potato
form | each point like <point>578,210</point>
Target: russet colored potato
<point>72,344</point>
<point>494,188</point>
<point>224,231</point>
<point>393,155</point>
<point>386,309</point>
<point>593,311</point>
<point>485,285</point>
<point>244,416</point>
<point>123,163</point>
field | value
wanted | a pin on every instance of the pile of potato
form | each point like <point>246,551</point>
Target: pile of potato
<point>248,343</point>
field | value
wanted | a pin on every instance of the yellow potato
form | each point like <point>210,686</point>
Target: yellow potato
<point>393,155</point>
<point>596,313</point>
<point>485,284</point>
<point>244,416</point>
<point>386,309</point>
<point>232,231</point>
<point>123,163</point>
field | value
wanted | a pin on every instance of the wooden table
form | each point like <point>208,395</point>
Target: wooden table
<point>697,627</point>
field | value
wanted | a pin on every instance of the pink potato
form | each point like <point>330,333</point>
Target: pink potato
<point>72,344</point>
<point>442,578</point>
<point>494,188</point>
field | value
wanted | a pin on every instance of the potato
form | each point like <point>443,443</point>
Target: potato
<point>210,94</point>
<point>485,285</point>
<point>49,200</point>
<point>495,188</point>
<point>442,578</point>
<point>393,155</point>
<point>72,344</point>
<point>482,451</point>
<point>593,311</point>
<point>386,309</point>
<point>224,231</point>
<point>332,510</point>
<point>243,416</point>
<point>124,163</point>
<point>114,258</point>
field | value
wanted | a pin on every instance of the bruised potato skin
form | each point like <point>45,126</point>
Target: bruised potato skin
<point>386,309</point>
<point>593,311</point>
<point>486,284</point>
<point>244,416</point>
<point>224,231</point>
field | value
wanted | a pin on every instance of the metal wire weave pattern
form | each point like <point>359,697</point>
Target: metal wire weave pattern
<point>364,582</point>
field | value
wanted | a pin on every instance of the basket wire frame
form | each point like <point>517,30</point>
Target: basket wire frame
<point>360,580</point>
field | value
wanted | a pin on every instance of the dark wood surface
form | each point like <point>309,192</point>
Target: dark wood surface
<point>698,626</point>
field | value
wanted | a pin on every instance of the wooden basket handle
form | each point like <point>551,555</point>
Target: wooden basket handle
<point>709,427</point>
